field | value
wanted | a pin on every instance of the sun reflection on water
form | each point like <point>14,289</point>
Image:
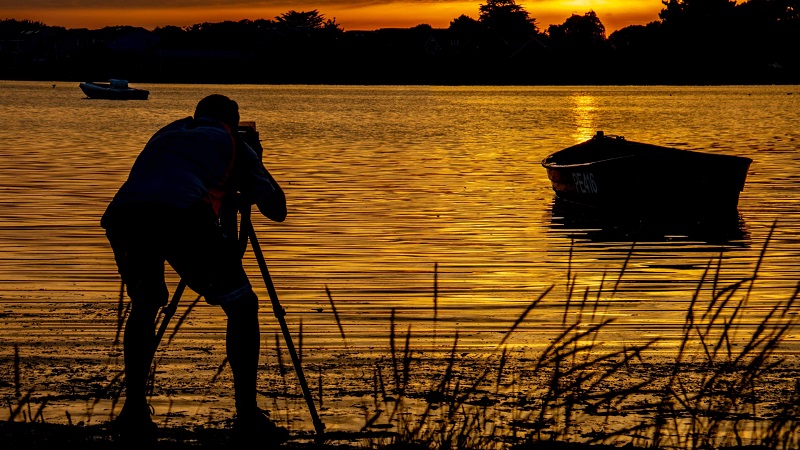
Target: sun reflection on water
<point>584,113</point>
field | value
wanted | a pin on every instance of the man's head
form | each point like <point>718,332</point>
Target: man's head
<point>221,108</point>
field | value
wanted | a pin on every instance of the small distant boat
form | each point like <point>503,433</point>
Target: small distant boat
<point>614,174</point>
<point>115,89</point>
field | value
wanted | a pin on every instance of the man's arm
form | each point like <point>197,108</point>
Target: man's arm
<point>273,206</point>
<point>258,186</point>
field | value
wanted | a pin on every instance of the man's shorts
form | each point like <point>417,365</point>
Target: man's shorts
<point>144,236</point>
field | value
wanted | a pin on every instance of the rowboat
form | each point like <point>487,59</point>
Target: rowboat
<point>115,89</point>
<point>614,174</point>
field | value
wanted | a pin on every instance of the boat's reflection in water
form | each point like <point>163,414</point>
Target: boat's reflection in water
<point>596,225</point>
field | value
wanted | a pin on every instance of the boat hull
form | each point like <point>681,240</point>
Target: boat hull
<point>107,92</point>
<point>612,173</point>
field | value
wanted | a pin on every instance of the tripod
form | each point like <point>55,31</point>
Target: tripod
<point>247,233</point>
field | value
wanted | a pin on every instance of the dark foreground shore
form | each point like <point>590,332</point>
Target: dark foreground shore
<point>44,436</point>
<point>19,435</point>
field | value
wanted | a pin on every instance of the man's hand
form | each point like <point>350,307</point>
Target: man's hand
<point>251,137</point>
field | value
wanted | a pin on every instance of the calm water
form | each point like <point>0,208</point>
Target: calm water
<point>384,184</point>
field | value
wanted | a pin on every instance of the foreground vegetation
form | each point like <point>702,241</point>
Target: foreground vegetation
<point>693,42</point>
<point>715,390</point>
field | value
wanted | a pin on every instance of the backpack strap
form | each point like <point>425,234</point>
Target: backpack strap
<point>218,192</point>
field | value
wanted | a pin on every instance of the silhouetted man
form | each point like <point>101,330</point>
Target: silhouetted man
<point>169,210</point>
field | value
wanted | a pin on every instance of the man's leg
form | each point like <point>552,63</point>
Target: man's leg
<point>211,264</point>
<point>243,347</point>
<point>243,344</point>
<point>141,265</point>
<point>138,346</point>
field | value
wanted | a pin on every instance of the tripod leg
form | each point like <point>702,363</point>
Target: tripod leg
<point>279,314</point>
<point>169,311</point>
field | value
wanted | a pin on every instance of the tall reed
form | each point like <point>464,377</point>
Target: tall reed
<point>708,398</point>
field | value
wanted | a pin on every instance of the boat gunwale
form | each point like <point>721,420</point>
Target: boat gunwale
<point>555,165</point>
<point>643,150</point>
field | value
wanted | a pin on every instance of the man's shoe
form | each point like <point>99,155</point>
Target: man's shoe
<point>135,426</point>
<point>256,427</point>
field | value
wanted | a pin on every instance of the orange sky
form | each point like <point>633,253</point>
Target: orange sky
<point>352,15</point>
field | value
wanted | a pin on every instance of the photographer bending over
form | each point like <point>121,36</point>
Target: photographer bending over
<point>169,210</point>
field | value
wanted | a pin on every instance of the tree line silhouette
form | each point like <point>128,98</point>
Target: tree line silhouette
<point>693,42</point>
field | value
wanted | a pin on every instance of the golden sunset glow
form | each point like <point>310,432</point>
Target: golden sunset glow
<point>584,114</point>
<point>359,15</point>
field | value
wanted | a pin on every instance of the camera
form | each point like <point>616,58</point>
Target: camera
<point>247,132</point>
